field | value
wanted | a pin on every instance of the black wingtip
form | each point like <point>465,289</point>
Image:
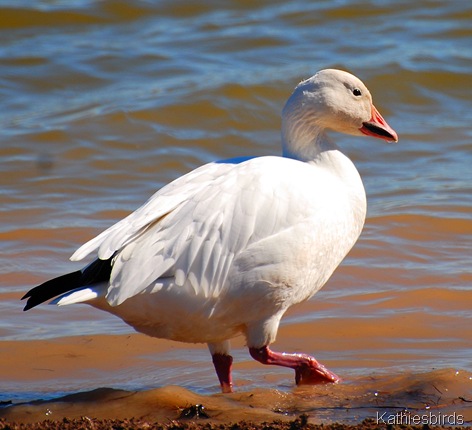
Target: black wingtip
<point>95,272</point>
<point>28,306</point>
<point>29,303</point>
<point>51,289</point>
<point>33,301</point>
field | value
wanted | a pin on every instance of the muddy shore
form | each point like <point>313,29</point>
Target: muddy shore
<point>299,423</point>
<point>69,383</point>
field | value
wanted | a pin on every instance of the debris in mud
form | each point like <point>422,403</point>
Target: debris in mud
<point>194,411</point>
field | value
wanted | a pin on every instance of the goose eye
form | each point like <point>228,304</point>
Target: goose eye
<point>356,92</point>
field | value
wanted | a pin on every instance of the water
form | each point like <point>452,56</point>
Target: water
<point>103,102</point>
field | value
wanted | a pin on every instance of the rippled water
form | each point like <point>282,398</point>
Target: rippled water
<point>103,102</point>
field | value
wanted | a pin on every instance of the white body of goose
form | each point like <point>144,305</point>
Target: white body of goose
<point>227,248</point>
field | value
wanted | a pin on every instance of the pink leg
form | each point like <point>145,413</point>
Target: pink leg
<point>222,363</point>
<point>307,369</point>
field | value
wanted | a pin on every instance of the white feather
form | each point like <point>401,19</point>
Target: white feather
<point>78,296</point>
<point>229,247</point>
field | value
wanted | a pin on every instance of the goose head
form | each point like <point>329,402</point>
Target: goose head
<point>330,100</point>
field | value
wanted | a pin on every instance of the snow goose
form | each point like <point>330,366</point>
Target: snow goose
<point>227,248</point>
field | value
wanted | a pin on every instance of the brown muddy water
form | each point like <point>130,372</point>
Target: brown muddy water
<point>103,102</point>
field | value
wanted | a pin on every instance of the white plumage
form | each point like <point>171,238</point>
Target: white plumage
<point>229,247</point>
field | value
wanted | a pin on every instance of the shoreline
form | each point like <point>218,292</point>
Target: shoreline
<point>301,422</point>
<point>85,368</point>
<point>260,408</point>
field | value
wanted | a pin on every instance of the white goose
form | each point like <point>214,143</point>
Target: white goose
<point>229,247</point>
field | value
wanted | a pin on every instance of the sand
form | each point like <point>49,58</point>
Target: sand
<point>444,393</point>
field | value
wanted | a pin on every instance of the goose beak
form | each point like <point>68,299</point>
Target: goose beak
<point>378,127</point>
